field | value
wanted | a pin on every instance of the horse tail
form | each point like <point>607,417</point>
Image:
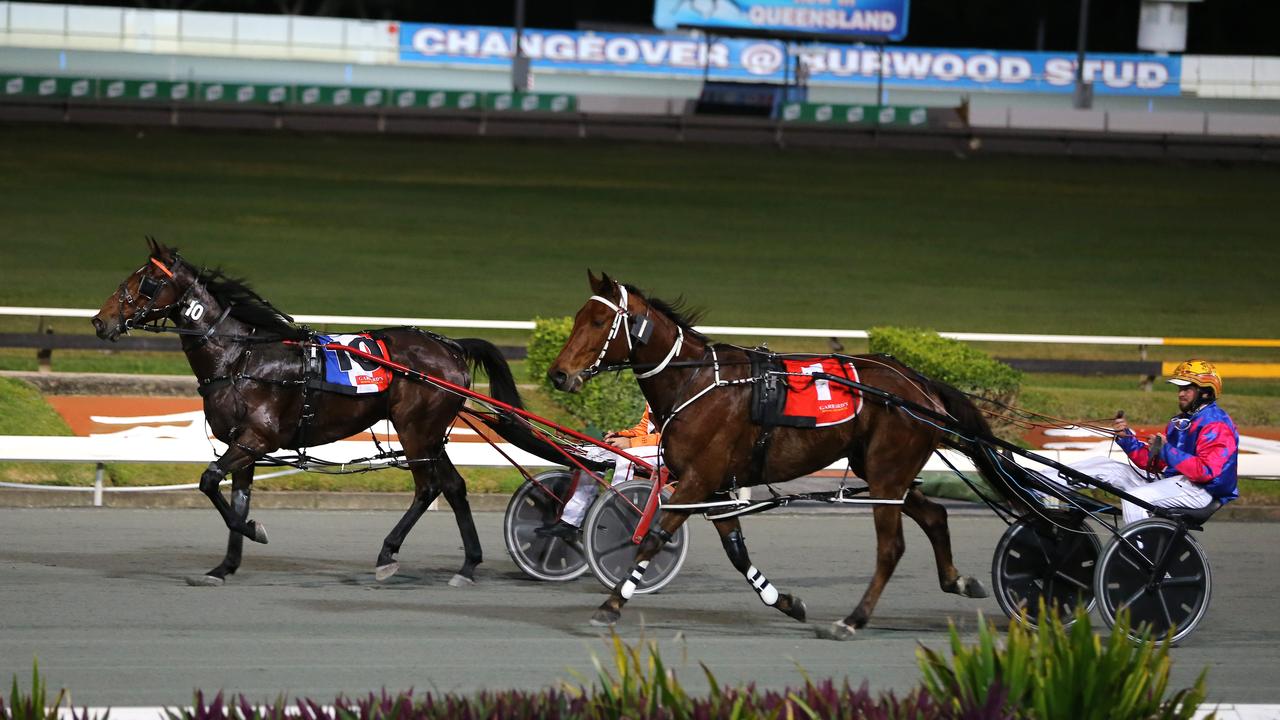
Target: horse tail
<point>973,434</point>
<point>502,386</point>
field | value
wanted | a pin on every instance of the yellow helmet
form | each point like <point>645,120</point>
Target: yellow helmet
<point>1200,373</point>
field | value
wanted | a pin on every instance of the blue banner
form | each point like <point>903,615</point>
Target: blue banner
<point>885,19</point>
<point>766,61</point>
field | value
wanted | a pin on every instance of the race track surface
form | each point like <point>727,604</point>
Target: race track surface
<point>98,597</point>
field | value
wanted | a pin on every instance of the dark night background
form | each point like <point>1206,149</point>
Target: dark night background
<point>1216,27</point>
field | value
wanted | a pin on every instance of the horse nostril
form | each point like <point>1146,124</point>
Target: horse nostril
<point>98,325</point>
<point>558,378</point>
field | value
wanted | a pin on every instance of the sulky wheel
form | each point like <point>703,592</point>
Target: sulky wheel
<point>1126,578</point>
<point>607,533</point>
<point>1037,560</point>
<point>531,507</point>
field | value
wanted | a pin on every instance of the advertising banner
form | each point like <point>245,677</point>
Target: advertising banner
<point>886,19</point>
<point>767,61</point>
<point>834,114</point>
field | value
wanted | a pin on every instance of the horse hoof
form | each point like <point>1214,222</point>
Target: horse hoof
<point>605,618</point>
<point>459,580</point>
<point>205,581</point>
<point>971,588</point>
<point>259,532</point>
<point>836,631</point>
<point>797,611</point>
<point>382,572</point>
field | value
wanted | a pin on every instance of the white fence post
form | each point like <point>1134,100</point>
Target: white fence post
<point>97,485</point>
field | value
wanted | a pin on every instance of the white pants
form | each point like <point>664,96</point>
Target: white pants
<point>623,470</point>
<point>1170,492</point>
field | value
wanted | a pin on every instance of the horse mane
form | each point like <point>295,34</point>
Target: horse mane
<point>677,312</point>
<point>247,305</point>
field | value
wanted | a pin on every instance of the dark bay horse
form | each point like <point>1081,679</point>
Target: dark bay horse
<point>708,438</point>
<point>249,360</point>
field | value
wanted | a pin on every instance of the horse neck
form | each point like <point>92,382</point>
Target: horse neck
<point>216,355</point>
<point>663,390</point>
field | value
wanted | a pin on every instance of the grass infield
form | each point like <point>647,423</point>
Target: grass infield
<point>505,230</point>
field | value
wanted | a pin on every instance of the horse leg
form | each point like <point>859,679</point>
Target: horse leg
<point>235,459</point>
<point>425,491</point>
<point>610,611</point>
<point>241,485</point>
<point>735,547</point>
<point>889,549</point>
<point>932,519</point>
<point>455,491</point>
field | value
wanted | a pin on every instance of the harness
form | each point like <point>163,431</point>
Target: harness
<point>638,334</point>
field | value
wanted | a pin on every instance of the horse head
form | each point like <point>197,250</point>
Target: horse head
<point>151,292</point>
<point>603,334</point>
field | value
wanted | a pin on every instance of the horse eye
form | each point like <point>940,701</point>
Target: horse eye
<point>597,323</point>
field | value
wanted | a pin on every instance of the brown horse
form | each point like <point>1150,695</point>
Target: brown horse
<point>698,398</point>
<point>249,360</point>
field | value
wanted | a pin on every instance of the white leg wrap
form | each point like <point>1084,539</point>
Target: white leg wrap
<point>768,593</point>
<point>629,587</point>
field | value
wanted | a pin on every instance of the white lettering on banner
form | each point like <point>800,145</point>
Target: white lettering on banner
<point>1059,71</point>
<point>495,45</point>
<point>909,64</point>
<point>948,66</point>
<point>465,42</point>
<point>982,68</point>
<point>428,41</point>
<point>770,16</point>
<point>681,55</point>
<point>1014,70</point>
<point>558,47</point>
<point>621,50</point>
<point>591,49</point>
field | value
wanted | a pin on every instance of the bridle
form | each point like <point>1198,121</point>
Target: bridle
<point>637,329</point>
<point>149,288</point>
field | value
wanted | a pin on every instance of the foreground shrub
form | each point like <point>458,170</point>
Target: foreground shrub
<point>607,402</point>
<point>1057,673</point>
<point>35,704</point>
<point>638,686</point>
<point>1046,674</point>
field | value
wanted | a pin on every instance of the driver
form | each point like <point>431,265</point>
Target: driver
<point>1191,464</point>
<point>640,441</point>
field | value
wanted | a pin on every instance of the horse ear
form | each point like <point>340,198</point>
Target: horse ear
<point>153,245</point>
<point>597,283</point>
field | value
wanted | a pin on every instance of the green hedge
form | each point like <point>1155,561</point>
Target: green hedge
<point>606,402</point>
<point>950,361</point>
<point>954,363</point>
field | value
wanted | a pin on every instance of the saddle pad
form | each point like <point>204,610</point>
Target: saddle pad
<point>350,374</point>
<point>820,401</point>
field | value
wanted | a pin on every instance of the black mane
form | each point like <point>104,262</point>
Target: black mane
<point>248,306</point>
<point>678,312</point>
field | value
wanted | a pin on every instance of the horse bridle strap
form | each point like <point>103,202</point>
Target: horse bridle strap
<point>644,328</point>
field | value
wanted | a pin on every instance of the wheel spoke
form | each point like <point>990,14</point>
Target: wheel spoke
<point>1072,580</point>
<point>1183,581</point>
<point>606,551</point>
<point>1146,565</point>
<point>1164,608</point>
<point>1131,599</point>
